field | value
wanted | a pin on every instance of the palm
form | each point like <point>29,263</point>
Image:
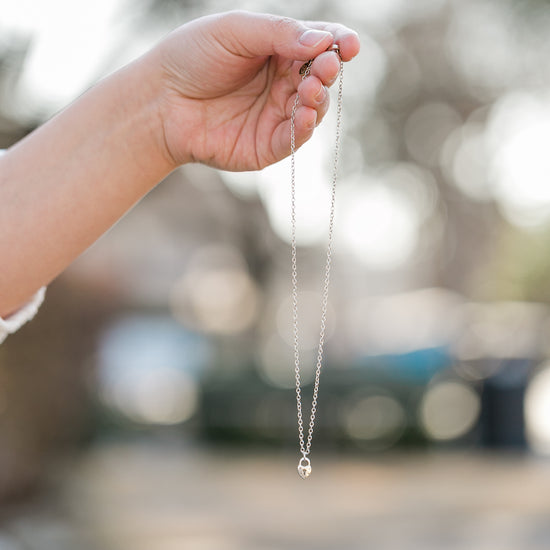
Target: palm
<point>238,115</point>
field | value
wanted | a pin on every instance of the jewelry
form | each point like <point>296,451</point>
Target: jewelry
<point>304,464</point>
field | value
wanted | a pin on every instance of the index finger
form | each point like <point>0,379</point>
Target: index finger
<point>346,38</point>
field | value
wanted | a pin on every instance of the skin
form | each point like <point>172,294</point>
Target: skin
<point>218,90</point>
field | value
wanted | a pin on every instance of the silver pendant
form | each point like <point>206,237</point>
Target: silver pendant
<point>304,467</point>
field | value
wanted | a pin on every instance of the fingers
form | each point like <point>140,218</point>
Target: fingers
<point>313,89</point>
<point>325,67</point>
<point>313,94</point>
<point>305,122</point>
<point>254,34</point>
<point>347,39</point>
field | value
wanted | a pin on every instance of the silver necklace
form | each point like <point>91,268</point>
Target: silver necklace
<point>304,464</point>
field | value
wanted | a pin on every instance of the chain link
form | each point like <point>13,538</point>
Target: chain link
<point>305,447</point>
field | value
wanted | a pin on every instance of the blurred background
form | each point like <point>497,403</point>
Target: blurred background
<point>151,404</point>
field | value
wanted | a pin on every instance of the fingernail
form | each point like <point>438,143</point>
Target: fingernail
<point>313,38</point>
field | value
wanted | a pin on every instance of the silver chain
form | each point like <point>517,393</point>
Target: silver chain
<point>304,465</point>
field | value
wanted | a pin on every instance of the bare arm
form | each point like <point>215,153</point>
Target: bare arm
<point>70,180</point>
<point>218,90</point>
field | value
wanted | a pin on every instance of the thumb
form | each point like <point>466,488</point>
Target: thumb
<point>254,34</point>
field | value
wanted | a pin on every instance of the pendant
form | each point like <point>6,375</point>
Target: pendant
<point>304,467</point>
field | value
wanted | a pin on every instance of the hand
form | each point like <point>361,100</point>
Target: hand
<point>229,83</point>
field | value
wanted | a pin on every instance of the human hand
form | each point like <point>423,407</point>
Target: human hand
<point>229,83</point>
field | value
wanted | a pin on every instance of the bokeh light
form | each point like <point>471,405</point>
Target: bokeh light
<point>54,73</point>
<point>537,410</point>
<point>312,190</point>
<point>161,395</point>
<point>378,224</point>
<point>464,159</point>
<point>216,294</point>
<point>375,421</point>
<point>148,370</point>
<point>242,184</point>
<point>449,410</point>
<point>519,129</point>
<point>426,130</point>
<point>276,362</point>
<point>481,47</point>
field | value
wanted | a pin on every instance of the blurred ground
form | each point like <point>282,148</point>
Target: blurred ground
<point>162,495</point>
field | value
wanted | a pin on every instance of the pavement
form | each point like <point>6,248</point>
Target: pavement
<point>163,495</point>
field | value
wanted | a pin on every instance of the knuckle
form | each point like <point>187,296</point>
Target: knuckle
<point>283,25</point>
<point>235,14</point>
<point>234,17</point>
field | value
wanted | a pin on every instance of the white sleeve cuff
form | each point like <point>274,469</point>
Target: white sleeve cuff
<point>16,320</point>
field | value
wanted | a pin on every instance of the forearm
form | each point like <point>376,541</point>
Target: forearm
<point>70,180</point>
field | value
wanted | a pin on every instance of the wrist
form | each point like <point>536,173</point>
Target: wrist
<point>147,90</point>
<point>169,108</point>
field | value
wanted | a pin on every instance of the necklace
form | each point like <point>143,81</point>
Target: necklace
<point>304,464</point>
